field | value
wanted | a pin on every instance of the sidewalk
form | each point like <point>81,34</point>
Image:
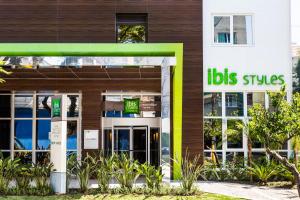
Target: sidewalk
<point>230,189</point>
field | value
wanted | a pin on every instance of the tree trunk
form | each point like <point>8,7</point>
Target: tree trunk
<point>290,166</point>
<point>250,157</point>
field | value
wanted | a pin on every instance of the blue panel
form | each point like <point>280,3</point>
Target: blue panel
<point>43,128</point>
<point>23,135</point>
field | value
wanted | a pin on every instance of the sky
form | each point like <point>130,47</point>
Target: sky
<point>296,21</point>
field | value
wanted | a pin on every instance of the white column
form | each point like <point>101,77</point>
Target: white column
<point>165,119</point>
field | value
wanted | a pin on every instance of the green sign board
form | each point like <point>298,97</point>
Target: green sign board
<point>56,107</point>
<point>131,106</point>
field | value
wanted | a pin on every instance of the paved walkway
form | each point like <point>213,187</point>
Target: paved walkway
<point>230,189</point>
<point>248,191</point>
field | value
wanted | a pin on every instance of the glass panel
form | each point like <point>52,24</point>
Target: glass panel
<point>214,158</point>
<point>72,135</point>
<point>140,145</point>
<point>221,29</point>
<point>155,147</point>
<point>23,106</point>
<point>23,135</point>
<point>213,104</point>
<point>107,142</point>
<point>121,140</point>
<point>131,33</point>
<point>43,127</point>
<point>43,106</point>
<point>5,154</point>
<point>114,113</point>
<point>213,134</point>
<point>255,98</point>
<point>73,108</point>
<point>43,158</point>
<point>237,157</point>
<point>242,29</point>
<point>234,104</point>
<point>5,110</point>
<point>25,157</point>
<point>234,134</point>
<point>4,134</point>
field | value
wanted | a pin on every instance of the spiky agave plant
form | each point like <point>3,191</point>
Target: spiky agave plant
<point>126,172</point>
<point>263,171</point>
<point>191,170</point>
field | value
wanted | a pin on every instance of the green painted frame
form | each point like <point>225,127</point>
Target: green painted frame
<point>113,49</point>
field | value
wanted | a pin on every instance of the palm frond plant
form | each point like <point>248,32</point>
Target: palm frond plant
<point>104,171</point>
<point>7,172</point>
<point>41,174</point>
<point>126,172</point>
<point>152,175</point>
<point>191,170</point>
<point>263,171</point>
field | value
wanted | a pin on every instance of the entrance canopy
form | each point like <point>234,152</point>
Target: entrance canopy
<point>163,55</point>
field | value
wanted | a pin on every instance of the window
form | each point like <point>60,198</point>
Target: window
<point>213,104</point>
<point>222,29</point>
<point>234,104</point>
<point>234,29</point>
<point>131,28</point>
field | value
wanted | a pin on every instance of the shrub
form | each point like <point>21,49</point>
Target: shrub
<point>263,171</point>
<point>23,179</point>
<point>152,175</point>
<point>71,166</point>
<point>7,172</point>
<point>125,172</point>
<point>41,174</point>
<point>191,170</point>
<point>104,171</point>
<point>84,171</point>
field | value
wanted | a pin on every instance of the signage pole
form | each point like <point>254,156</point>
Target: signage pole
<point>58,137</point>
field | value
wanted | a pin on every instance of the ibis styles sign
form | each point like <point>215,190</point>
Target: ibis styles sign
<point>131,106</point>
<point>226,77</point>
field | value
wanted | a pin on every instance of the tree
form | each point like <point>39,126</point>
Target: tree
<point>276,126</point>
<point>3,71</point>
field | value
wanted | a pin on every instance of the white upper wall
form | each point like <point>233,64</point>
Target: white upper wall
<point>270,53</point>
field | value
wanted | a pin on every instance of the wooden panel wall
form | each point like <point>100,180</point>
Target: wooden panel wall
<point>94,21</point>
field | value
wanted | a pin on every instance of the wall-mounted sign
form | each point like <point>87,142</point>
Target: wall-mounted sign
<point>227,77</point>
<point>56,107</point>
<point>91,139</point>
<point>131,106</point>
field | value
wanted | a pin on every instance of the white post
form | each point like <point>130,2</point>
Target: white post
<point>58,138</point>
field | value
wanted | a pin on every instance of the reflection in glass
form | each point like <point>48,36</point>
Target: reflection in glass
<point>72,135</point>
<point>25,157</point>
<point>234,134</point>
<point>23,106</point>
<point>72,104</point>
<point>42,158</point>
<point>42,130</point>
<point>23,135</point>
<point>154,147</point>
<point>213,134</point>
<point>213,104</point>
<point>5,110</point>
<point>234,104</point>
<point>140,145</point>
<point>4,134</point>
<point>121,140</point>
<point>43,106</point>
<point>255,98</point>
<point>237,157</point>
<point>221,29</point>
<point>242,29</point>
<point>114,113</point>
<point>107,142</point>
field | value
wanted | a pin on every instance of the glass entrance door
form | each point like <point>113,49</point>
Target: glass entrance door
<point>140,144</point>
<point>131,141</point>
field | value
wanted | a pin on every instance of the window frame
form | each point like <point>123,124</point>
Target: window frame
<point>231,43</point>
